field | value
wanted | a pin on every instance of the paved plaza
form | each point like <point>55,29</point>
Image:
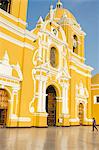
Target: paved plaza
<point>52,138</point>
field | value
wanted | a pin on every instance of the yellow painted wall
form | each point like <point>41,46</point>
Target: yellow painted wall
<point>19,8</point>
<point>95,92</point>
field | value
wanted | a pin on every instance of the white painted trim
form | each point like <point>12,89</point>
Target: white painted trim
<point>8,27</point>
<point>53,37</point>
<point>76,54</point>
<point>94,84</point>
<point>12,17</point>
<point>22,22</point>
<point>94,88</point>
<point>10,84</point>
<point>88,120</point>
<point>19,119</point>
<point>74,120</point>
<point>10,77</point>
<point>80,72</point>
<point>80,64</point>
<point>70,22</point>
<point>40,114</point>
<point>56,25</point>
<point>15,41</point>
<point>59,101</point>
<point>17,30</point>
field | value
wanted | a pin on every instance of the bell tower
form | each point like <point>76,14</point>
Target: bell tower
<point>59,4</point>
<point>17,8</point>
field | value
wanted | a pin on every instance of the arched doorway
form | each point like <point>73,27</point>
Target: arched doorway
<point>81,113</point>
<point>4,97</point>
<point>51,105</point>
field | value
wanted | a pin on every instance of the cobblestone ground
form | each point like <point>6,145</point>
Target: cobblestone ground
<point>52,138</point>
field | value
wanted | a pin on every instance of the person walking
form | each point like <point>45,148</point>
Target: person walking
<point>94,124</point>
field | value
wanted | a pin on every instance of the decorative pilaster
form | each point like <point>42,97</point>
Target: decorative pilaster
<point>44,97</point>
<point>42,94</point>
<point>14,102</point>
<point>65,98</point>
<point>40,97</point>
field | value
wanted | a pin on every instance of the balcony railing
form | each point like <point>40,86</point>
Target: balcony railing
<point>5,5</point>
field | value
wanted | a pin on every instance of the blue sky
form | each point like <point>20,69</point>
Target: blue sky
<point>87,15</point>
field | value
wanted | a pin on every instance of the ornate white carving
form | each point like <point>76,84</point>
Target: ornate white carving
<point>18,69</point>
<point>40,21</point>
<point>82,97</point>
<point>74,120</point>
<point>81,91</point>
<point>51,12</point>
<point>65,87</point>
<point>6,68</point>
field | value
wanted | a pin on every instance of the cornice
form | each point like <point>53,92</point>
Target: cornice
<point>17,30</point>
<point>94,85</point>
<point>54,37</point>
<point>15,41</point>
<point>80,72</point>
<point>80,64</point>
<point>12,17</point>
<point>79,57</point>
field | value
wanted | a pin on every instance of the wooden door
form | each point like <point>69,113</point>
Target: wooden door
<point>51,105</point>
<point>51,109</point>
<point>3,116</point>
<point>81,113</point>
<point>3,106</point>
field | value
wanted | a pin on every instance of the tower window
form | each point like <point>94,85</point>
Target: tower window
<point>75,44</point>
<point>5,5</point>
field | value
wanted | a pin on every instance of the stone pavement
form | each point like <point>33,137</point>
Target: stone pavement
<point>52,138</point>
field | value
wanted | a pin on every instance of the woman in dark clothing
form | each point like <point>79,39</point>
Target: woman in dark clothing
<point>94,124</point>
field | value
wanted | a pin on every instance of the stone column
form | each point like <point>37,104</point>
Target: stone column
<point>42,94</point>
<point>40,97</point>
<point>65,98</point>
<point>44,97</point>
<point>85,111</point>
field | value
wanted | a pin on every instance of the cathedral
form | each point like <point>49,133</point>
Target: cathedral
<point>44,80</point>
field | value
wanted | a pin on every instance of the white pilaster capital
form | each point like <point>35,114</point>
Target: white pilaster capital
<point>16,89</point>
<point>65,85</point>
<point>41,78</point>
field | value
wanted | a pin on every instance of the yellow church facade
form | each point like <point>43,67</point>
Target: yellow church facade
<point>95,97</point>
<point>44,80</point>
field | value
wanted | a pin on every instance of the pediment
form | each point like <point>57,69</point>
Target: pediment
<point>6,69</point>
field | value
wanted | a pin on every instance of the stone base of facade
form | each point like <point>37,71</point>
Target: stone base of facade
<point>40,120</point>
<point>65,121</point>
